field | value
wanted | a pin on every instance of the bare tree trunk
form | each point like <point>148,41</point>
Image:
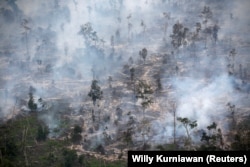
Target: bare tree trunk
<point>134,97</point>
<point>27,48</point>
<point>24,147</point>
<point>189,140</point>
<point>174,111</point>
<point>143,127</point>
<point>14,110</point>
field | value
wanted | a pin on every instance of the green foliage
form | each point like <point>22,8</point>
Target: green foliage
<point>42,133</point>
<point>213,138</point>
<point>100,149</point>
<point>143,91</point>
<point>6,163</point>
<point>31,104</point>
<point>9,148</point>
<point>81,159</point>
<point>52,152</point>
<point>179,35</point>
<point>95,92</point>
<point>77,129</point>
<point>70,158</point>
<point>242,135</point>
<point>188,125</point>
<point>76,136</point>
<point>186,122</point>
<point>212,126</point>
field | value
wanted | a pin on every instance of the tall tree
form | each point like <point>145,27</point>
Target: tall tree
<point>129,25</point>
<point>143,25</point>
<point>188,125</point>
<point>215,32</point>
<point>165,27</point>
<point>213,138</point>
<point>27,28</point>
<point>132,74</point>
<point>206,14</point>
<point>179,35</point>
<point>31,104</point>
<point>89,34</point>
<point>110,80</point>
<point>112,42</point>
<point>42,133</point>
<point>95,92</point>
<point>231,61</point>
<point>144,92</point>
<point>143,53</point>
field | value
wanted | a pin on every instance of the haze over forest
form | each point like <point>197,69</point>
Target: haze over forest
<point>144,74</point>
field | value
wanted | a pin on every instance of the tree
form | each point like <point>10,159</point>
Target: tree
<point>195,36</point>
<point>232,54</point>
<point>129,25</point>
<point>24,24</point>
<point>42,133</point>
<point>213,138</point>
<point>166,17</point>
<point>31,104</point>
<point>119,112</point>
<point>143,91</point>
<point>174,106</point>
<point>117,36</point>
<point>112,42</point>
<point>82,159</point>
<point>158,83</point>
<point>110,80</point>
<point>232,109</point>
<point>127,134</point>
<point>179,35</point>
<point>231,61</point>
<point>198,27</point>
<point>242,135</point>
<point>240,71</point>
<point>143,25</point>
<point>215,32</point>
<point>132,74</point>
<point>89,34</point>
<point>188,125</point>
<point>143,53</point>
<point>130,60</point>
<point>76,136</point>
<point>206,14</point>
<point>70,158</point>
<point>95,92</point>
<point>107,137</point>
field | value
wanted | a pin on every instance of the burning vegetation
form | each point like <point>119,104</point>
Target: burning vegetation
<point>81,84</point>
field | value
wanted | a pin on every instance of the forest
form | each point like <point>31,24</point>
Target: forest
<point>84,81</point>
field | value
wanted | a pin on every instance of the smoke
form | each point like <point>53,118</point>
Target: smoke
<point>203,101</point>
<point>41,46</point>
